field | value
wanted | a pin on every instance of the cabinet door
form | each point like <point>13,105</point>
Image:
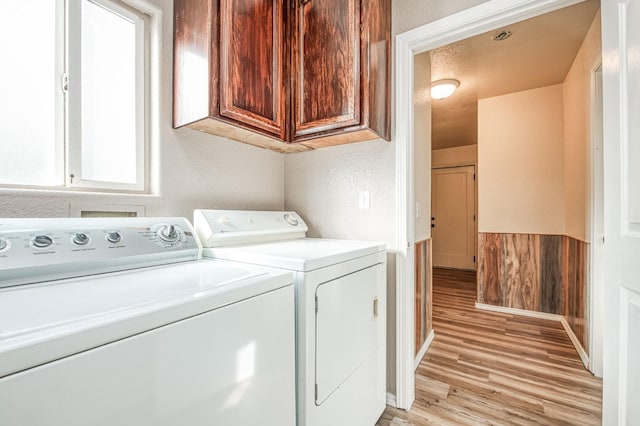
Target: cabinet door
<point>252,63</point>
<point>326,65</point>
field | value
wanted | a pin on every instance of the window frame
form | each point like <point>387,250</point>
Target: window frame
<point>73,131</point>
<point>68,148</point>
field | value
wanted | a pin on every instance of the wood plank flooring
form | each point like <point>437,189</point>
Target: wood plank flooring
<point>486,368</point>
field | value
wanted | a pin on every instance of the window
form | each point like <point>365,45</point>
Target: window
<point>74,109</point>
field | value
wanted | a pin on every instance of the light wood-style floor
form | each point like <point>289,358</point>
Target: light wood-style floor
<point>486,368</point>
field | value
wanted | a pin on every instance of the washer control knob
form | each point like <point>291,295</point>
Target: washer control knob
<point>168,233</point>
<point>80,239</point>
<point>291,220</point>
<point>224,220</point>
<point>3,244</point>
<point>114,237</point>
<point>42,241</point>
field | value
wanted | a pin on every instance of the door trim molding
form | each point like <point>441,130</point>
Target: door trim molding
<point>467,23</point>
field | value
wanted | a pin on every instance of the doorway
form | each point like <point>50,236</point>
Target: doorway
<point>482,18</point>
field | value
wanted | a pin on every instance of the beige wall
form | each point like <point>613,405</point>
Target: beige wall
<point>457,156</point>
<point>192,169</point>
<point>520,162</point>
<point>577,90</point>
<point>422,145</point>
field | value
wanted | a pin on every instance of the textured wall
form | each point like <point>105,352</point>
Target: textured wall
<point>457,156</point>
<point>520,162</point>
<point>577,89</point>
<point>190,169</point>
<point>409,14</point>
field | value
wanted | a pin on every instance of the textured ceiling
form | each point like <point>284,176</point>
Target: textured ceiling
<point>539,53</point>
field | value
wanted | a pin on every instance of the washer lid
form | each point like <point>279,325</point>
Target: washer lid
<point>303,254</point>
<point>44,322</point>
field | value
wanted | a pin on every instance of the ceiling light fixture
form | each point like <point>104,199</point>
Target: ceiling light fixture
<point>444,88</point>
<point>501,35</point>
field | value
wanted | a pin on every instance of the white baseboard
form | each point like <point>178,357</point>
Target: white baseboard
<point>543,315</point>
<point>515,311</point>
<point>576,343</point>
<point>391,400</point>
<point>423,349</point>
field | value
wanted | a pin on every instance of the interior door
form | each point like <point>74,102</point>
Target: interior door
<point>621,95</point>
<point>453,217</point>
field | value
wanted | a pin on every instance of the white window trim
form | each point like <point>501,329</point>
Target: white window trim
<point>73,172</point>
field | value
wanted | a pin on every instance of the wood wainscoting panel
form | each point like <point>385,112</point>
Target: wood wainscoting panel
<point>551,274</point>
<point>520,277</point>
<point>423,285</point>
<point>575,282</point>
<point>523,271</point>
<point>489,269</point>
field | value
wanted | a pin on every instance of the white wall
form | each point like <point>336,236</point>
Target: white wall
<point>409,14</point>
<point>577,134</point>
<point>422,145</point>
<point>193,169</point>
<point>521,162</point>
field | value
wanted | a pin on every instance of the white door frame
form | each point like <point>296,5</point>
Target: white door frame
<point>484,17</point>
<point>596,291</point>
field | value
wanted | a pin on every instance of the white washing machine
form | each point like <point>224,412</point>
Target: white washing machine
<point>120,322</point>
<point>340,308</point>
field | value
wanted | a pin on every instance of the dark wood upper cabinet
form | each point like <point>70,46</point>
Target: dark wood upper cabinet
<point>326,56</point>
<point>252,64</point>
<point>285,75</point>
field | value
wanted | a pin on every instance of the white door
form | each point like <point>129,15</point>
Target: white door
<point>621,95</point>
<point>453,217</point>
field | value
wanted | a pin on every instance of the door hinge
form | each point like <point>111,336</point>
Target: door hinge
<point>316,304</point>
<point>474,259</point>
<point>474,176</point>
<point>474,216</point>
<point>64,82</point>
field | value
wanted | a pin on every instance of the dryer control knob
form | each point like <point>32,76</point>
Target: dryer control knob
<point>168,233</point>
<point>291,220</point>
<point>224,220</point>
<point>3,244</point>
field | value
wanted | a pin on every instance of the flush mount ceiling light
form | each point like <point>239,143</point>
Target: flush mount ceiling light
<point>501,35</point>
<point>443,88</point>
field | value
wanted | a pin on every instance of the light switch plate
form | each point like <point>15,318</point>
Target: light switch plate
<point>363,200</point>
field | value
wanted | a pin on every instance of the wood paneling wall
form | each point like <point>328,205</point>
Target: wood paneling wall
<point>423,285</point>
<point>575,258</point>
<point>544,273</point>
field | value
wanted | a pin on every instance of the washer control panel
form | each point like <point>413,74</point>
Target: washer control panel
<point>218,228</point>
<point>35,250</point>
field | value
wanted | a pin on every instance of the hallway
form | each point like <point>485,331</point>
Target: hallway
<point>493,368</point>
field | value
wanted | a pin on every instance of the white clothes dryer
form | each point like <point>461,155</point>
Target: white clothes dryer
<point>340,290</point>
